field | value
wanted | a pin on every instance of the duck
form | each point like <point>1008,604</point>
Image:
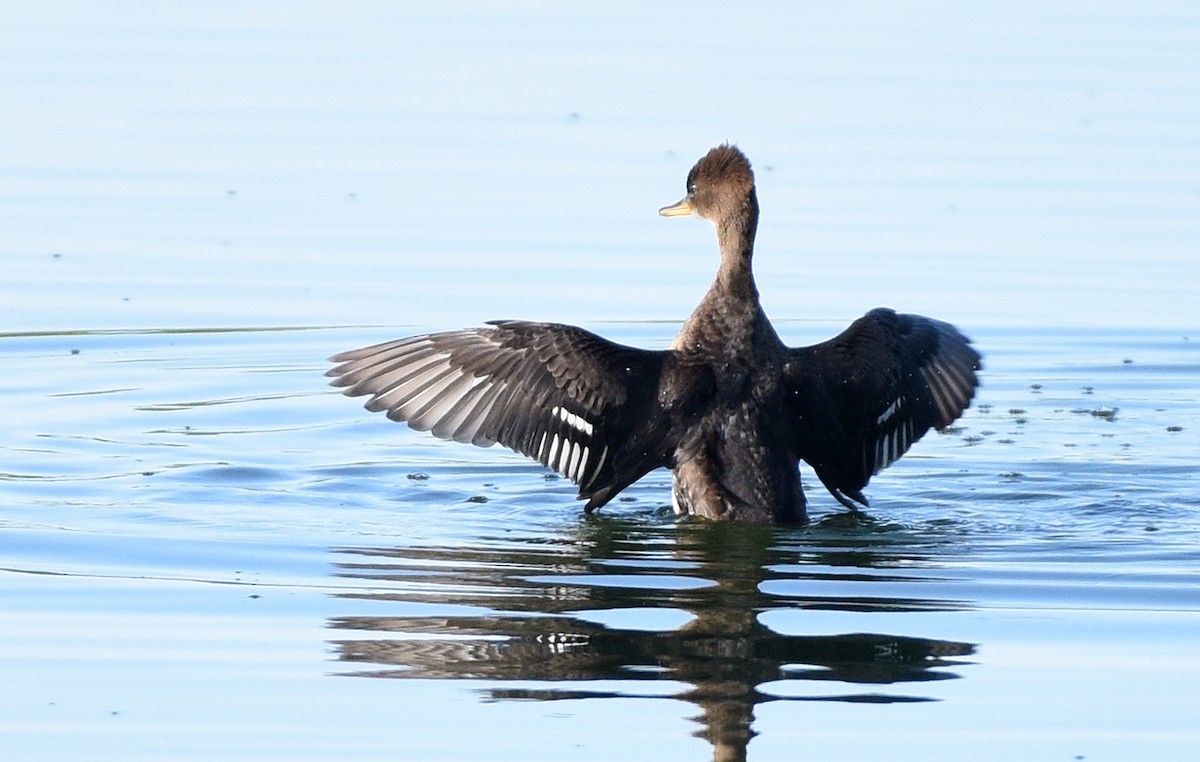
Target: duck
<point>728,407</point>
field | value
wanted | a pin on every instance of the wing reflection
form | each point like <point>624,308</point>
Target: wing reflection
<point>530,612</point>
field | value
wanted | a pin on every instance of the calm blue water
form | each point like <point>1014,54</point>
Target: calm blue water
<point>207,553</point>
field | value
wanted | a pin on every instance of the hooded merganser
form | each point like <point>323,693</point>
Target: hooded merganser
<point>728,407</point>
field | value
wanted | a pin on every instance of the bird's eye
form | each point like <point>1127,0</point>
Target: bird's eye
<point>691,188</point>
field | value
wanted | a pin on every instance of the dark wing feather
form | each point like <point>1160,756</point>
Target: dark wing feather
<point>861,399</point>
<point>578,403</point>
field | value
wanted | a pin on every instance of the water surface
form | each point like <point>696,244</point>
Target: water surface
<point>204,549</point>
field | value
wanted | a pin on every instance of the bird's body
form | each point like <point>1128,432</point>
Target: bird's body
<point>729,408</point>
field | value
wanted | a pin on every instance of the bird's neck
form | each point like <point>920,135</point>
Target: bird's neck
<point>731,308</point>
<point>735,236</point>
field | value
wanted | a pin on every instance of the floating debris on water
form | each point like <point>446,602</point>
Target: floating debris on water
<point>1107,413</point>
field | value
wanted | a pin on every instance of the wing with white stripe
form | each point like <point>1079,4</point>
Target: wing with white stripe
<point>576,402</point>
<point>861,399</point>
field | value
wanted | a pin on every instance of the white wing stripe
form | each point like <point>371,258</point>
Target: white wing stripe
<point>583,464</point>
<point>573,466</point>
<point>577,422</point>
<point>891,410</point>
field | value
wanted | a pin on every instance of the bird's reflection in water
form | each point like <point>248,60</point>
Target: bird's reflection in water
<point>539,600</point>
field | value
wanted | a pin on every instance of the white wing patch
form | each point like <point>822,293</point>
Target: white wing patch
<point>891,446</point>
<point>569,452</point>
<point>892,410</point>
<point>565,455</point>
<point>577,422</point>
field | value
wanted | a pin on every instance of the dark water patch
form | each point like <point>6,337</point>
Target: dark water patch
<point>234,475</point>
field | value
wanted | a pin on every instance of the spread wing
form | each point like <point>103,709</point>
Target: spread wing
<point>579,404</point>
<point>861,399</point>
